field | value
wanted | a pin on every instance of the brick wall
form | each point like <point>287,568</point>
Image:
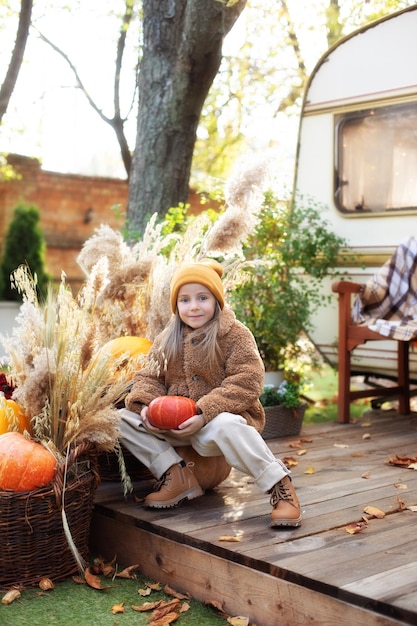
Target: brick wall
<point>71,207</point>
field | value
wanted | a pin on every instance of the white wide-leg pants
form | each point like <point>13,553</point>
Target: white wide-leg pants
<point>227,434</point>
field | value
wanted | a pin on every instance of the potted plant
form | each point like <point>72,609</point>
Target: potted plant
<point>289,253</point>
<point>284,407</point>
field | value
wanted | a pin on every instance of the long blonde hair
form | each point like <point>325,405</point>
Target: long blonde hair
<point>172,341</point>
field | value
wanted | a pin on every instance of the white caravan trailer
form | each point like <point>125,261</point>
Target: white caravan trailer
<point>357,155</point>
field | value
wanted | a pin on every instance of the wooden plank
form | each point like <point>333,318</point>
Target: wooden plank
<point>264,599</point>
<point>393,586</point>
<point>384,543</point>
<point>319,557</point>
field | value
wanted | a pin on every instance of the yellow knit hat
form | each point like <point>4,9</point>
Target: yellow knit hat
<point>207,272</point>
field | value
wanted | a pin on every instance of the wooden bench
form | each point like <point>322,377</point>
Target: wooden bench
<point>352,335</point>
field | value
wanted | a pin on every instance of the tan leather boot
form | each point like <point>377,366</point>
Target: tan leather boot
<point>286,507</point>
<point>177,484</point>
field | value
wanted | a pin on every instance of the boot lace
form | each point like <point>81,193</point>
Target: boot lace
<point>281,491</point>
<point>164,480</point>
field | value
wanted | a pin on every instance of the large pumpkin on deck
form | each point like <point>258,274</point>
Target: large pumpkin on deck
<point>210,471</point>
<point>24,464</point>
<point>171,411</point>
<point>12,417</point>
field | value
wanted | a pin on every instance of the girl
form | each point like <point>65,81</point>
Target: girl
<point>206,354</point>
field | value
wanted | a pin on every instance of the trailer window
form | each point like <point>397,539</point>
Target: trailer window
<point>376,160</point>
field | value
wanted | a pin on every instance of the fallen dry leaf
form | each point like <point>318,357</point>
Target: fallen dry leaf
<point>412,507</point>
<point>413,466</point>
<point>372,510</point>
<point>356,527</point>
<point>215,604</point>
<point>128,572</point>
<point>11,596</point>
<point>93,581</point>
<point>145,592</point>
<point>340,445</point>
<point>309,470</point>
<point>166,609</point>
<point>402,461</point>
<point>107,568</point>
<point>295,444</point>
<point>230,538</point>
<point>401,504</point>
<point>147,606</point>
<point>175,594</point>
<point>154,586</point>
<point>290,461</point>
<point>238,621</point>
<point>306,440</point>
<point>78,580</point>
<point>185,607</point>
<point>366,436</point>
<point>366,424</point>
<point>366,475</point>
<point>165,620</point>
<point>401,486</point>
<point>356,455</point>
<point>46,584</point>
<point>118,608</point>
<point>302,452</point>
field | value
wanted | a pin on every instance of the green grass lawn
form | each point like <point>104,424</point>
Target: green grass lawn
<point>70,604</point>
<point>321,388</point>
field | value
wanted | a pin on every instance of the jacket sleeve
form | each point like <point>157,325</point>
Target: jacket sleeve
<point>243,381</point>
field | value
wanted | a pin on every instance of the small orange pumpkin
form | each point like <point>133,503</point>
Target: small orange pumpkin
<point>24,463</point>
<point>12,417</point>
<point>171,411</point>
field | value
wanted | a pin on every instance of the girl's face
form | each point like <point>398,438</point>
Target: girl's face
<point>196,304</point>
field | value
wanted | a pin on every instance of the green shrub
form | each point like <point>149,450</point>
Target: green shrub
<point>294,249</point>
<point>24,245</point>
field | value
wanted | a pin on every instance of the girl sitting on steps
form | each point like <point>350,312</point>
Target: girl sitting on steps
<point>205,354</point>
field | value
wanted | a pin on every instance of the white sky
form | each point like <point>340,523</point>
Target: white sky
<point>51,120</point>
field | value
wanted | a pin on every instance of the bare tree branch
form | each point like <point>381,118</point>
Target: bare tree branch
<point>295,90</point>
<point>117,121</point>
<point>10,80</point>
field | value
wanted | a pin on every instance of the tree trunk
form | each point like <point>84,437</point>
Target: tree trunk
<point>10,80</point>
<point>182,51</point>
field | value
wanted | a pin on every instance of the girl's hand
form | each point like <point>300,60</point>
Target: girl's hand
<point>190,426</point>
<point>146,422</point>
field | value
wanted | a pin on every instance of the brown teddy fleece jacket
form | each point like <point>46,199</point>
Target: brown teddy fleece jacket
<point>234,386</point>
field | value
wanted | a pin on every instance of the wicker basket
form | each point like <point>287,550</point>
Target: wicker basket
<point>32,539</point>
<point>108,464</point>
<point>283,422</point>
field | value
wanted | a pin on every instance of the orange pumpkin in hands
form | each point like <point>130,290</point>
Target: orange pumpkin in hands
<point>168,412</point>
<point>24,464</point>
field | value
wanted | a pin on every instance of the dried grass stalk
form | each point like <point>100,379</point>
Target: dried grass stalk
<point>68,395</point>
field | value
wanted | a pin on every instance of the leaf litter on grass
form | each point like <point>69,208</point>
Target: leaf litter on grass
<point>101,599</point>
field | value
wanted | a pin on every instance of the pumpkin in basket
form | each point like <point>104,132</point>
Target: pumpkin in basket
<point>170,411</point>
<point>24,464</point>
<point>12,417</point>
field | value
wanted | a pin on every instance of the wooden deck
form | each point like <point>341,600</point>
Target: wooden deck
<point>318,574</point>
